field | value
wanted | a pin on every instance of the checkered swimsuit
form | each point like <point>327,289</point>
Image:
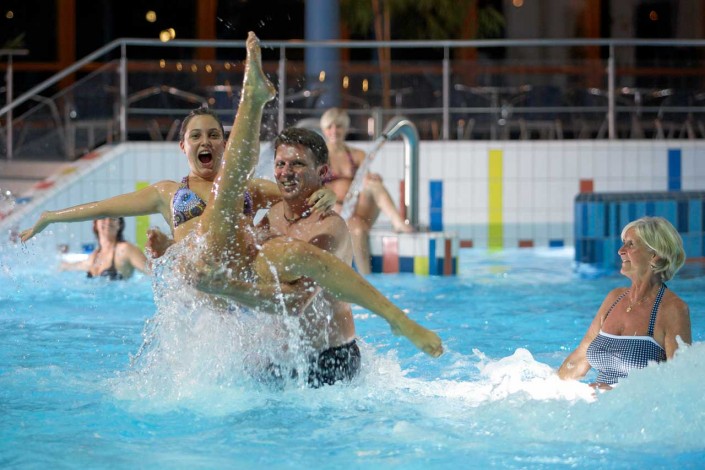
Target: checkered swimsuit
<point>614,356</point>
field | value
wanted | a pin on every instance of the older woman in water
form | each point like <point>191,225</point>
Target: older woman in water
<point>639,323</point>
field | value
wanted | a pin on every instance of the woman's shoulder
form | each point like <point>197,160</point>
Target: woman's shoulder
<point>674,303</point>
<point>166,184</point>
<point>615,293</point>
<point>166,188</point>
<point>358,155</point>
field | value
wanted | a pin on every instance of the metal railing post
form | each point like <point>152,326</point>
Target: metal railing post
<point>281,116</point>
<point>8,92</point>
<point>122,116</point>
<point>610,94</point>
<point>446,93</point>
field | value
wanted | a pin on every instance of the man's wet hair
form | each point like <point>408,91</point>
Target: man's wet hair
<point>306,138</point>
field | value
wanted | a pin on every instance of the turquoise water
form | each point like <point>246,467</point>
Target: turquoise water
<point>75,391</point>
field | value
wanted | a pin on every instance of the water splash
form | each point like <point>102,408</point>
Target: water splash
<point>198,343</point>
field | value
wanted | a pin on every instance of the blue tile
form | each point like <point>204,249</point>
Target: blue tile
<point>682,225</point>
<point>436,206</point>
<point>432,265</point>
<point>695,214</point>
<point>376,264</point>
<point>406,264</point>
<point>674,169</point>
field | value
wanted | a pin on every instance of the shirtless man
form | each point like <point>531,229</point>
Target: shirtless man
<point>310,252</point>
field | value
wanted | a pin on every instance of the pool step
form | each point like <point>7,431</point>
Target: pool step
<point>423,253</point>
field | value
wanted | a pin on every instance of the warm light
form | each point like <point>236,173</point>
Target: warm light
<point>164,36</point>
<point>322,76</point>
<point>194,68</point>
<point>179,67</point>
<point>365,85</point>
<point>209,69</point>
<point>227,66</point>
<point>172,33</point>
<point>10,14</point>
<point>151,16</point>
<point>346,82</point>
<point>162,63</point>
<point>653,16</point>
<point>518,3</point>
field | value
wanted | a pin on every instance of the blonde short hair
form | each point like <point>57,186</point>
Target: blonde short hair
<point>335,116</point>
<point>663,240</point>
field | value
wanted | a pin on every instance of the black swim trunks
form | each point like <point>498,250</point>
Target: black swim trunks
<point>341,363</point>
<point>333,365</point>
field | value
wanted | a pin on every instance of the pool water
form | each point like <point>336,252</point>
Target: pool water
<point>75,391</point>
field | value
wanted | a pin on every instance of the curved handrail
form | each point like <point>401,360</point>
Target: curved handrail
<point>401,126</point>
<point>397,126</point>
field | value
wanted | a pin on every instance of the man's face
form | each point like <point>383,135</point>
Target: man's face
<point>203,145</point>
<point>296,172</point>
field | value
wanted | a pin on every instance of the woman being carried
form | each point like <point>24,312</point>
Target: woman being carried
<point>225,236</point>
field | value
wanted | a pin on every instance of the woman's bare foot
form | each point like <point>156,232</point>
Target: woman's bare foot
<point>424,339</point>
<point>401,226</point>
<point>256,84</point>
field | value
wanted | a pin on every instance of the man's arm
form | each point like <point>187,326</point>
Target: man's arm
<point>286,298</point>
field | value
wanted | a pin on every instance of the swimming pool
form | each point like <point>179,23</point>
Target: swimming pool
<point>70,398</point>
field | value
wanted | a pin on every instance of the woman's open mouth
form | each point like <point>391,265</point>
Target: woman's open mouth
<point>205,158</point>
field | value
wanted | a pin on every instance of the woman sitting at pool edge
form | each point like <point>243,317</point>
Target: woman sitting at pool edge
<point>640,323</point>
<point>373,198</point>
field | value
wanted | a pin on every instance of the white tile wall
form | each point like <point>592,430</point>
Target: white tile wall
<point>541,180</point>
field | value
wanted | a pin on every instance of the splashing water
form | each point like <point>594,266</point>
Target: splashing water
<point>190,396</point>
<point>198,343</point>
<point>358,181</point>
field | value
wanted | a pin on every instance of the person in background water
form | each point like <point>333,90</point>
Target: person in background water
<point>114,258</point>
<point>373,198</point>
<point>639,323</point>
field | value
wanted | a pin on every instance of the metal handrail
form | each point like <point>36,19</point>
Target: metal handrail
<point>121,46</point>
<point>10,53</point>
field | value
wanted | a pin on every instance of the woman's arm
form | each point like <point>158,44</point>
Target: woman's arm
<point>83,265</point>
<point>266,193</point>
<point>677,315</point>
<point>135,257</point>
<point>150,200</point>
<point>576,365</point>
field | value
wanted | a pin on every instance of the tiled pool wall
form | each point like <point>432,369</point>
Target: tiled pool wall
<point>600,217</point>
<point>491,194</point>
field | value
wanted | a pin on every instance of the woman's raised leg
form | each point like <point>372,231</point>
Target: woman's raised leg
<point>220,222</point>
